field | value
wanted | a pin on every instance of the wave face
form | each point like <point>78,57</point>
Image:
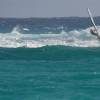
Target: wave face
<point>33,33</point>
<point>50,53</point>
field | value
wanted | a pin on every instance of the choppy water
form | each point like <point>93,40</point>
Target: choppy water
<point>49,59</point>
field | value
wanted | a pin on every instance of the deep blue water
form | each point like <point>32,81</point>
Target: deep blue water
<point>50,72</point>
<point>39,25</point>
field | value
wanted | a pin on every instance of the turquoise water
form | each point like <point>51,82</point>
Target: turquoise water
<point>65,73</point>
<point>60,61</point>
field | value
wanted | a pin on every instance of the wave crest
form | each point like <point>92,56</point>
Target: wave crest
<point>77,38</point>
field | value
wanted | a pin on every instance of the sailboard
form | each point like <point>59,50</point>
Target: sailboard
<point>92,20</point>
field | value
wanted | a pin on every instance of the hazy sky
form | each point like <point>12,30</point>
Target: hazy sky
<point>48,8</point>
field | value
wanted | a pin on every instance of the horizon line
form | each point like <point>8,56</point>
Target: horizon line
<point>47,17</point>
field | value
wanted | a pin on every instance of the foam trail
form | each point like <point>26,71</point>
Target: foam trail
<point>75,38</point>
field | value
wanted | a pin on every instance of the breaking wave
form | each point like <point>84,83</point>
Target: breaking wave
<point>74,38</point>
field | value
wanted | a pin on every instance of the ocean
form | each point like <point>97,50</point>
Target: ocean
<point>49,59</point>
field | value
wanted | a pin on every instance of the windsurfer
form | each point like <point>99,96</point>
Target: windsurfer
<point>94,32</point>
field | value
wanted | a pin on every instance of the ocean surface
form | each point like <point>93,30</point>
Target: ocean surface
<point>49,59</point>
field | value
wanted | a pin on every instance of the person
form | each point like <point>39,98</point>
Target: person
<point>94,32</point>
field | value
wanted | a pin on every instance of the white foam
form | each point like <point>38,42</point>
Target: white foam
<point>75,38</point>
<point>25,29</point>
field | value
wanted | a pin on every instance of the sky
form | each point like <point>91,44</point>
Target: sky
<point>48,8</point>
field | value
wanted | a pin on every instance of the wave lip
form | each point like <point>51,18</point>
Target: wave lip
<point>75,38</point>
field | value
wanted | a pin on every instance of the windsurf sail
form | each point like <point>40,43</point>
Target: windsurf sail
<point>92,20</point>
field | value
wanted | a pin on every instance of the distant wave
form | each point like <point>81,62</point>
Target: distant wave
<point>74,38</point>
